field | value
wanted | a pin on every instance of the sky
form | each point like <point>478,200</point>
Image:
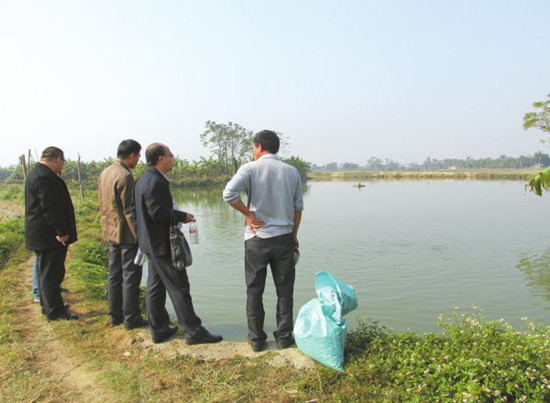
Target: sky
<point>342,80</point>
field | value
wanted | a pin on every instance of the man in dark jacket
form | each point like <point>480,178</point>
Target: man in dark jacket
<point>154,208</point>
<point>50,227</point>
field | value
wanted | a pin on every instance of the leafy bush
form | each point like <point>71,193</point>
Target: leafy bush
<point>11,237</point>
<point>13,192</point>
<point>471,361</point>
<point>16,226</point>
<point>90,263</point>
<point>94,252</point>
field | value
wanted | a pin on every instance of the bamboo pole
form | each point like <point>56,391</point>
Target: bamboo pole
<point>80,178</point>
<point>24,165</point>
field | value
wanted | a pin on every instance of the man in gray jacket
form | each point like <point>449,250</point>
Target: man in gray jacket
<point>273,215</point>
<point>116,203</point>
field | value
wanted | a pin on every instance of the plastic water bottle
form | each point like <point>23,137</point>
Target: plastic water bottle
<point>193,233</point>
<point>140,256</point>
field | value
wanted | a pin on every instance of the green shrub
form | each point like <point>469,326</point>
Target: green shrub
<point>90,264</point>
<point>11,237</point>
<point>471,361</point>
<point>94,252</point>
<point>94,277</point>
<point>14,192</point>
<point>16,225</point>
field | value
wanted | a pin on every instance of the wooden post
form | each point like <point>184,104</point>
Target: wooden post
<point>79,178</point>
<point>24,165</point>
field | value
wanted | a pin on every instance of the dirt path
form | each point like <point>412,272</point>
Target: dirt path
<point>53,357</point>
<point>71,373</point>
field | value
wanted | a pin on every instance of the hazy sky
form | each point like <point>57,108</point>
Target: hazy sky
<point>344,80</point>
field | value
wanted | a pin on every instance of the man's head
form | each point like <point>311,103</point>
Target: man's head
<point>265,142</point>
<point>129,152</point>
<point>159,156</point>
<point>54,158</point>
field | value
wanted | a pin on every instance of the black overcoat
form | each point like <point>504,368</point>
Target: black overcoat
<point>153,211</point>
<point>49,210</point>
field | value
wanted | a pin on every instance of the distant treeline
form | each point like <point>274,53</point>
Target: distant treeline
<point>538,159</point>
<point>204,172</point>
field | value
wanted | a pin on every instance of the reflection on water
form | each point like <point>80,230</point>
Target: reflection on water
<point>536,268</point>
<point>412,250</point>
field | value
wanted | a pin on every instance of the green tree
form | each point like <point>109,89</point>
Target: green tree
<point>229,143</point>
<point>540,118</point>
<point>301,165</point>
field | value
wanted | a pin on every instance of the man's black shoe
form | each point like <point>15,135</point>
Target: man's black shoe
<point>285,343</point>
<point>165,334</point>
<point>116,322</point>
<point>204,337</point>
<point>258,346</point>
<point>64,316</point>
<point>140,323</point>
<point>64,290</point>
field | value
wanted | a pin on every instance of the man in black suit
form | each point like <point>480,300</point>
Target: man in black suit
<point>153,202</point>
<point>50,227</point>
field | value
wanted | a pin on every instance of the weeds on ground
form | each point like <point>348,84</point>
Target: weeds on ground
<point>471,361</point>
<point>13,192</point>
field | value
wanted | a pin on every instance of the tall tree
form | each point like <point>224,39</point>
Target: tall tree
<point>540,118</point>
<point>229,143</point>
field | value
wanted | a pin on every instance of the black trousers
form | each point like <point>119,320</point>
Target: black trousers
<point>123,284</point>
<point>163,277</point>
<point>51,272</point>
<point>278,253</point>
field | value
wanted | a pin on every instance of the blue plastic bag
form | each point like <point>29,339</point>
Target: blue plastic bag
<point>329,288</point>
<point>319,331</point>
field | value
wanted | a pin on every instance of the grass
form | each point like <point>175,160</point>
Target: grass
<point>472,360</point>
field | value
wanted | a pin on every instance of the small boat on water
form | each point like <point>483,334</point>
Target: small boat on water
<point>359,185</point>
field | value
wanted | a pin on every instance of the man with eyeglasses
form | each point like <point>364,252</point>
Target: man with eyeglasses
<point>50,227</point>
<point>154,214</point>
<point>116,203</point>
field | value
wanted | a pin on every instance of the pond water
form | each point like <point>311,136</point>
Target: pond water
<point>412,250</point>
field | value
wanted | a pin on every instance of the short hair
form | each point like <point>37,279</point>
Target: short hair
<point>153,152</point>
<point>268,139</point>
<point>51,153</point>
<point>127,147</point>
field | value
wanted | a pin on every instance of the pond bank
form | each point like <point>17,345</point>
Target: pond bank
<point>505,174</point>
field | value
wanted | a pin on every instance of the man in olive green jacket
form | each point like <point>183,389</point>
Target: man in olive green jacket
<point>116,203</point>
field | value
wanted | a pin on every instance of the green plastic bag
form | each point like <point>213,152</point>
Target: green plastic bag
<point>319,331</point>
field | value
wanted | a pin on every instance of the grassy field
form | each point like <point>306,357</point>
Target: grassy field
<point>86,360</point>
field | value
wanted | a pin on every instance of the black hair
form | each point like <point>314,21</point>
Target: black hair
<point>153,152</point>
<point>127,147</point>
<point>51,153</point>
<point>268,139</point>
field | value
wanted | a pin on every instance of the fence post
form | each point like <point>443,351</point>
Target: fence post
<point>24,165</point>
<point>79,178</point>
